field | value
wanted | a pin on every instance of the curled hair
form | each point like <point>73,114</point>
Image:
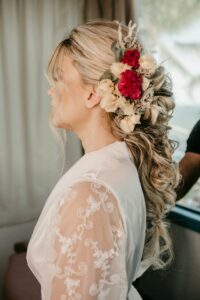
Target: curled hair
<point>89,46</point>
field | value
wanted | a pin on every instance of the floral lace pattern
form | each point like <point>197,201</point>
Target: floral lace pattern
<point>89,244</point>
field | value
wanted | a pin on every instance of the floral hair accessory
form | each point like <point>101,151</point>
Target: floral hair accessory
<point>126,87</point>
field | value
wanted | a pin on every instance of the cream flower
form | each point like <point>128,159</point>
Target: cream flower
<point>122,101</point>
<point>128,109</point>
<point>148,63</point>
<point>116,90</point>
<point>109,102</point>
<point>105,86</point>
<point>135,118</point>
<point>128,123</point>
<point>118,68</point>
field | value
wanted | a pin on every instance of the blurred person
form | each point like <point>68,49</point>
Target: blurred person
<point>190,163</point>
<point>104,222</point>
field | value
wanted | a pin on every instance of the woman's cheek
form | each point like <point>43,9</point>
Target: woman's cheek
<point>57,99</point>
<point>53,103</point>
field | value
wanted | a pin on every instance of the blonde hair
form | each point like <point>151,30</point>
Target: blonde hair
<point>89,46</point>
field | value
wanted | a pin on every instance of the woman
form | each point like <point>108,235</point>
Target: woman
<point>103,224</point>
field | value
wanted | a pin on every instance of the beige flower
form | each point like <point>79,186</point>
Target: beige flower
<point>105,86</point>
<point>109,102</point>
<point>135,118</point>
<point>118,68</point>
<point>148,63</point>
<point>128,123</point>
<point>116,90</point>
<point>122,101</point>
<point>128,109</point>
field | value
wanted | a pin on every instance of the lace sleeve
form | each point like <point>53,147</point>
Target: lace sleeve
<point>89,245</point>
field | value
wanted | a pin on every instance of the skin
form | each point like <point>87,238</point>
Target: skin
<point>190,170</point>
<point>75,106</point>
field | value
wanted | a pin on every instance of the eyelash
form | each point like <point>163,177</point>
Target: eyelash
<point>55,78</point>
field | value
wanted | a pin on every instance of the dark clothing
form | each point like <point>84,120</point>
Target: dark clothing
<point>193,141</point>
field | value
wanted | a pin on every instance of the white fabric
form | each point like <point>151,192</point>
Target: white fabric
<point>29,31</point>
<point>89,239</point>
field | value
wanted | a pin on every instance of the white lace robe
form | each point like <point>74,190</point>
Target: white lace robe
<point>89,238</point>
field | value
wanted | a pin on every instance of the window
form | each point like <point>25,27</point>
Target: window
<point>170,30</point>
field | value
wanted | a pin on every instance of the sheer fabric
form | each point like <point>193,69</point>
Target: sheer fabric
<point>89,239</point>
<point>89,243</point>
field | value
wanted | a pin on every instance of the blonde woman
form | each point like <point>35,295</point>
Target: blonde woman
<point>104,223</point>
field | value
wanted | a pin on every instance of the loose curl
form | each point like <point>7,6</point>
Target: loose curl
<point>89,46</point>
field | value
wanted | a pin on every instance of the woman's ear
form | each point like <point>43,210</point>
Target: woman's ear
<point>93,98</point>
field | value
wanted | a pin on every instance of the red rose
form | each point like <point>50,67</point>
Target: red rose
<point>130,84</point>
<point>131,58</point>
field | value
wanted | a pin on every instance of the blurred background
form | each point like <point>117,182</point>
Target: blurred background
<point>30,158</point>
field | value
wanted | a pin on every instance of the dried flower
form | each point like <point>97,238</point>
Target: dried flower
<point>109,102</point>
<point>122,101</point>
<point>128,122</point>
<point>148,63</point>
<point>105,86</point>
<point>126,84</point>
<point>116,91</point>
<point>128,108</point>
